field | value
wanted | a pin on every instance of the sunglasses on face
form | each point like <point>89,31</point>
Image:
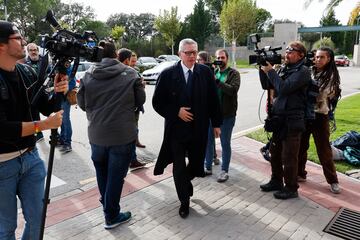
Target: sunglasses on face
<point>291,49</point>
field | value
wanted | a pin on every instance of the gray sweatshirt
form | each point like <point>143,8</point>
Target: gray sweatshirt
<point>109,93</point>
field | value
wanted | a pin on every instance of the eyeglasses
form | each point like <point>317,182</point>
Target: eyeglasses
<point>190,53</point>
<point>33,50</point>
<point>20,38</point>
<point>291,49</point>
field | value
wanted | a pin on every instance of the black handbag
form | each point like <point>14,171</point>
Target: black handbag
<point>273,124</point>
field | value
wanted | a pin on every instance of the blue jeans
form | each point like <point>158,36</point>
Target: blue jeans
<point>66,129</point>
<point>111,166</point>
<point>225,138</point>
<point>23,176</point>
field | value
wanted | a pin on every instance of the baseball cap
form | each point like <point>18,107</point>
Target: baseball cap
<point>7,29</point>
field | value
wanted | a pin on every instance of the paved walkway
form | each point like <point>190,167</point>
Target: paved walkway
<point>236,209</point>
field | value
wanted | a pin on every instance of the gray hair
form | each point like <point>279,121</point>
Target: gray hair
<point>186,41</point>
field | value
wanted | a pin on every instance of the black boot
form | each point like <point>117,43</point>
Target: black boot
<point>184,209</point>
<point>285,194</point>
<point>273,185</point>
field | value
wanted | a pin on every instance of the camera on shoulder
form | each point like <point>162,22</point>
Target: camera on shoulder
<point>263,55</point>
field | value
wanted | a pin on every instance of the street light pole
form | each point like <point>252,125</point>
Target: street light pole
<point>5,10</point>
<point>357,32</point>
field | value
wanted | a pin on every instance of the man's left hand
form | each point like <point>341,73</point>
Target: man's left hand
<point>61,83</point>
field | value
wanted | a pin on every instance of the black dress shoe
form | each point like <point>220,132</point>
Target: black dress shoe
<point>184,209</point>
<point>273,185</point>
<point>285,194</point>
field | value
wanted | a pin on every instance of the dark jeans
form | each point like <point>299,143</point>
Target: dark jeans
<point>111,165</point>
<point>66,129</point>
<point>284,158</point>
<point>23,176</point>
<point>319,128</point>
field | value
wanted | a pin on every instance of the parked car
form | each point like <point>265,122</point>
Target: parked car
<point>166,58</point>
<point>144,63</point>
<point>342,60</point>
<point>83,67</point>
<point>151,75</point>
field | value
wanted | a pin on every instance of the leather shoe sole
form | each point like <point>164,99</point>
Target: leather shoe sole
<point>285,195</point>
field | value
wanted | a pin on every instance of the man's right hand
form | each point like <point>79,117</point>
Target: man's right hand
<point>54,120</point>
<point>185,114</point>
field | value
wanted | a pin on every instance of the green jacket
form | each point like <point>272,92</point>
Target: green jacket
<point>229,90</point>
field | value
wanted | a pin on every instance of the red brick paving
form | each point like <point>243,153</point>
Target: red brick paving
<point>246,152</point>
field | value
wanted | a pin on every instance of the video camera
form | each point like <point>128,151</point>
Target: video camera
<point>64,43</point>
<point>309,59</point>
<point>263,55</point>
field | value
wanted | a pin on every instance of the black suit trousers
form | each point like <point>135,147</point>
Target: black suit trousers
<point>181,174</point>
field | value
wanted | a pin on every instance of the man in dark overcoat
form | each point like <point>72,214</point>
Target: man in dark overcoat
<point>185,95</point>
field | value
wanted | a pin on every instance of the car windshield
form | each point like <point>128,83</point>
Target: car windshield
<point>339,57</point>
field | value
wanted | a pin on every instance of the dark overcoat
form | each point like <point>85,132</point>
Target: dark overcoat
<point>167,100</point>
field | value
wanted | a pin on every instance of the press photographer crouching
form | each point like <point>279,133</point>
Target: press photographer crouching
<point>286,119</point>
<point>22,172</point>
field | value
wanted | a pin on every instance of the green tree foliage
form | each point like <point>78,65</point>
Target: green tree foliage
<point>215,6</point>
<point>324,42</point>
<point>198,24</point>
<point>336,37</point>
<point>309,39</point>
<point>238,19</point>
<point>136,26</point>
<point>117,32</point>
<point>100,28</point>
<point>168,24</point>
<point>263,18</point>
<point>74,15</point>
<point>27,16</point>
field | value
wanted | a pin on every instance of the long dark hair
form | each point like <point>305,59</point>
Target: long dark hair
<point>330,74</point>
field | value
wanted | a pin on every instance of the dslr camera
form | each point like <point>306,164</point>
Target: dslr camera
<point>263,55</point>
<point>64,43</point>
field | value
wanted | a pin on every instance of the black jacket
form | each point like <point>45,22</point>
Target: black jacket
<point>290,85</point>
<point>229,90</point>
<point>167,100</point>
<point>17,109</point>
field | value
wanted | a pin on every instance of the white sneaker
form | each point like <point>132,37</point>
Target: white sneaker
<point>208,172</point>
<point>334,187</point>
<point>223,176</point>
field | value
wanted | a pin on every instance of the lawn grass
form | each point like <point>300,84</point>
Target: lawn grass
<point>347,117</point>
<point>243,64</point>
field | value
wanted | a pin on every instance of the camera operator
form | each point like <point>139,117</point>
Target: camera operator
<point>228,84</point>
<point>286,119</point>
<point>22,172</point>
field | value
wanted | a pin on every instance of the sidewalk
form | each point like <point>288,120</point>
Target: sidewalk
<point>236,209</point>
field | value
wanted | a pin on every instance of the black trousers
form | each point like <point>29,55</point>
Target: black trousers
<point>181,173</point>
<point>284,158</point>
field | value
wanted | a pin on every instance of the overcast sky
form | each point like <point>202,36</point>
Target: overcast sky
<point>279,9</point>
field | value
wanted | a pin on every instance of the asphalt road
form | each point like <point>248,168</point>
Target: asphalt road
<point>74,170</point>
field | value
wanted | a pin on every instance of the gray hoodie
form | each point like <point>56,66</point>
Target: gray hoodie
<point>109,93</point>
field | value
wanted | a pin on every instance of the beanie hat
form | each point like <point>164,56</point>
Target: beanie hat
<point>7,29</point>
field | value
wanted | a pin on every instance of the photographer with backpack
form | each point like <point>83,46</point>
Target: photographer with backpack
<point>286,119</point>
<point>325,73</point>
